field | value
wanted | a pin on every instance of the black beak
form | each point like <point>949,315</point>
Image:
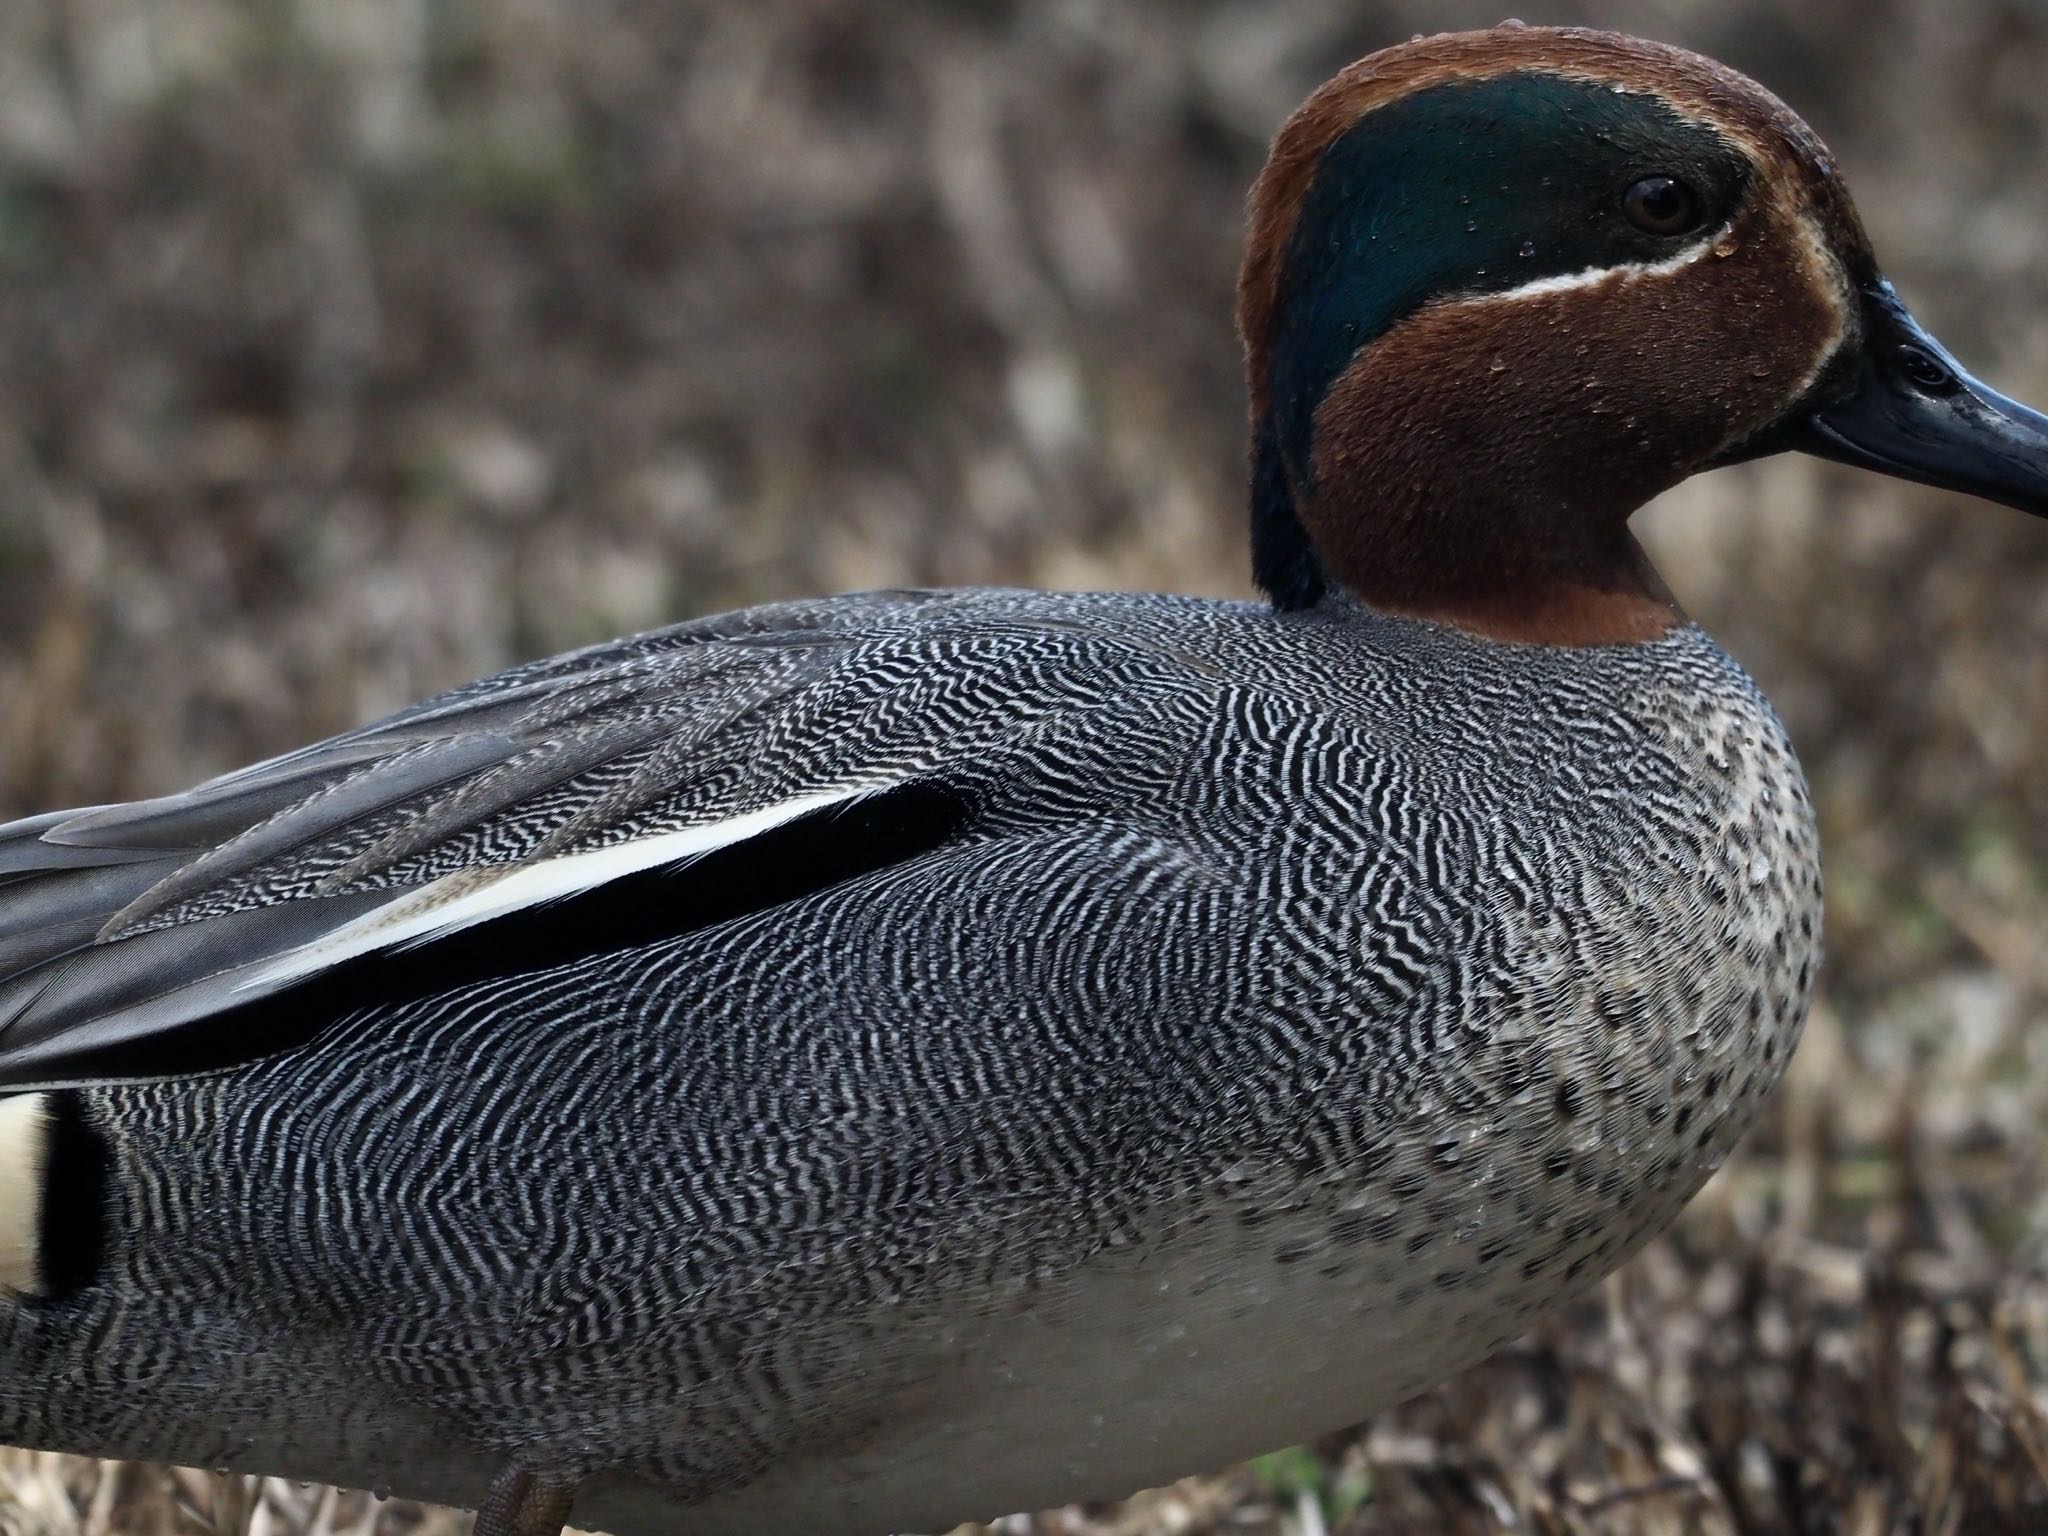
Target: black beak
<point>1909,409</point>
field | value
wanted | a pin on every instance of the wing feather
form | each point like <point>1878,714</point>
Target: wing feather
<point>121,925</point>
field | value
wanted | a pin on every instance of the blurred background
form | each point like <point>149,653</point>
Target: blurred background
<point>352,348</point>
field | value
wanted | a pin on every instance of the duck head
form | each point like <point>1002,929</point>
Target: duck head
<point>1501,288</point>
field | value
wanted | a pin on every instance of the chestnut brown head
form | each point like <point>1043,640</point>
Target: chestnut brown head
<point>1501,288</point>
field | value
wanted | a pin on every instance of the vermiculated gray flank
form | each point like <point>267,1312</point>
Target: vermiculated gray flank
<point>1220,1015</point>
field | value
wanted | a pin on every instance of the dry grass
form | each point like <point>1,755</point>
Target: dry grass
<point>352,347</point>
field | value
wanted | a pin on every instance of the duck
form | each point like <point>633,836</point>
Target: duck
<point>860,1064</point>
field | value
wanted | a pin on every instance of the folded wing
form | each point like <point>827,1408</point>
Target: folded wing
<point>122,926</point>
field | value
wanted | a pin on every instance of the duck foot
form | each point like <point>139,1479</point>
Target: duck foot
<point>520,1503</point>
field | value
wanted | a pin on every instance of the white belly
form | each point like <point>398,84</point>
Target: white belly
<point>1141,1370</point>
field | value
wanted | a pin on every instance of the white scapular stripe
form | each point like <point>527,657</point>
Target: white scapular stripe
<point>24,1156</point>
<point>472,896</point>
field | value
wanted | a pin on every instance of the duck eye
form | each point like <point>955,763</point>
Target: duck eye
<point>1658,205</point>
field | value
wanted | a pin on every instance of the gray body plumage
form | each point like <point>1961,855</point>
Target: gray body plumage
<point>1302,1003</point>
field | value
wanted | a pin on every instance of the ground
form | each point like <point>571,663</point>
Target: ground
<point>350,348</point>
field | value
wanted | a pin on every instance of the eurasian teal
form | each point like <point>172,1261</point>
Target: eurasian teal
<point>858,1064</point>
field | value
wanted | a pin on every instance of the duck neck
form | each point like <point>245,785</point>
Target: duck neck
<point>1478,543</point>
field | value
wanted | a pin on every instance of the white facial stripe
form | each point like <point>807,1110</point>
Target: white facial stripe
<point>469,897</point>
<point>1841,293</point>
<point>1591,277</point>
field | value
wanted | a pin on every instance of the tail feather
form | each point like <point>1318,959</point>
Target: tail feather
<point>27,1126</point>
